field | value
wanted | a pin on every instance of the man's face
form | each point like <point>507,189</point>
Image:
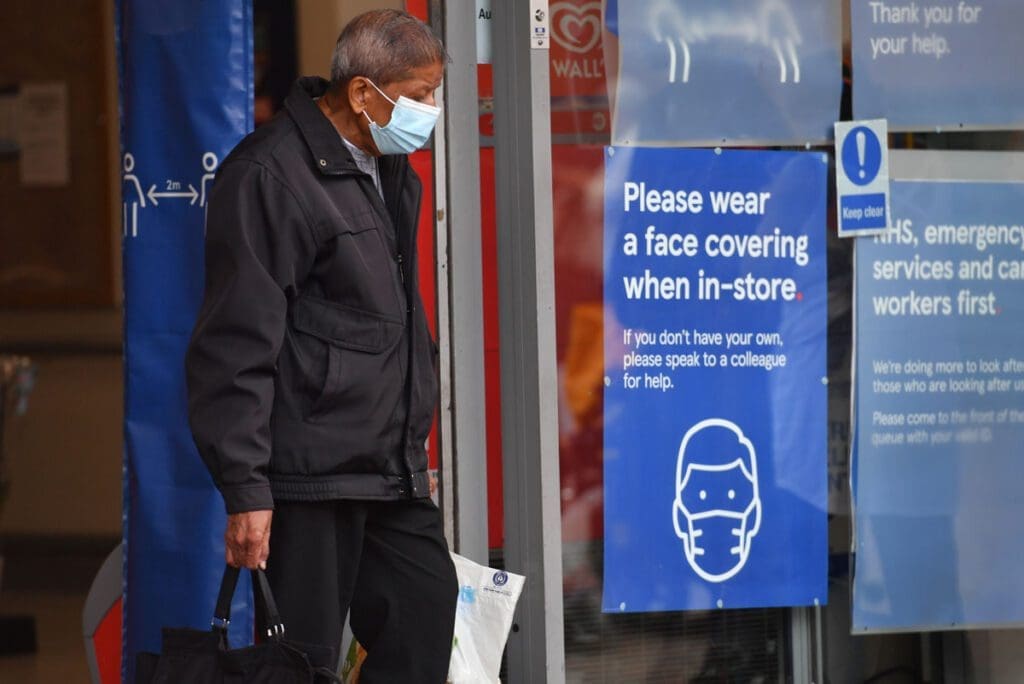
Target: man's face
<point>421,86</point>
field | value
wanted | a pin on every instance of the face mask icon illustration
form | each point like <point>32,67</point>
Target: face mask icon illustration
<point>717,509</point>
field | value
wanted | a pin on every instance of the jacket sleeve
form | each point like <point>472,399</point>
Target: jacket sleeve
<point>259,248</point>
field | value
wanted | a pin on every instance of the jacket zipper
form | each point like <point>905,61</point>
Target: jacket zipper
<point>397,190</point>
<point>411,331</point>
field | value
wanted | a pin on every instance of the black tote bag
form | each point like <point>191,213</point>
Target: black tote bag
<point>203,657</point>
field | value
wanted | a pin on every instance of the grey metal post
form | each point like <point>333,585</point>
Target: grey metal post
<point>460,290</point>
<point>536,651</point>
<point>819,645</point>
<point>801,645</point>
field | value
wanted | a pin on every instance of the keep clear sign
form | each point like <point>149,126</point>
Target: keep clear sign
<point>715,400</point>
<point>940,398</point>
<point>938,63</point>
<point>727,72</point>
<point>862,177</point>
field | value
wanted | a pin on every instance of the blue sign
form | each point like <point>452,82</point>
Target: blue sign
<point>731,71</point>
<point>939,401</point>
<point>715,401</point>
<point>863,212</point>
<point>186,100</point>
<point>931,63</point>
<point>862,177</point>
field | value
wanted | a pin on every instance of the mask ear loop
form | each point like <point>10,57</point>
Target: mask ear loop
<point>408,102</point>
<point>383,94</point>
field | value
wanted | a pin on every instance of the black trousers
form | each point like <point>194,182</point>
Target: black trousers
<point>387,563</point>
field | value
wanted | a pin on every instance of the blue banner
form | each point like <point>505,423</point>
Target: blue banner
<point>186,100</point>
<point>929,64</point>
<point>939,400</point>
<point>715,399</point>
<point>729,71</point>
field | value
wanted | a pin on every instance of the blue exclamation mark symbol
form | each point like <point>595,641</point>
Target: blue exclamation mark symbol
<point>861,155</point>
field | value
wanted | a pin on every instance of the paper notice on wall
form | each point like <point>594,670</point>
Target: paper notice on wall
<point>43,133</point>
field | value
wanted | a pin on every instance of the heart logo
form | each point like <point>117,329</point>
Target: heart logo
<point>577,28</point>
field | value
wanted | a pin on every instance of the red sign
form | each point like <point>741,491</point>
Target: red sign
<point>577,52</point>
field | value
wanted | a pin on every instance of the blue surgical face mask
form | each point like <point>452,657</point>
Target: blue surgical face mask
<point>409,129</point>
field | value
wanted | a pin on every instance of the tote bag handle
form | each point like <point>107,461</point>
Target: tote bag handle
<point>273,626</point>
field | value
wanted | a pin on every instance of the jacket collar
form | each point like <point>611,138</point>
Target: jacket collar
<point>330,156</point>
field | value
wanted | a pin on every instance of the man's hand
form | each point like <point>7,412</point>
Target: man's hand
<point>247,539</point>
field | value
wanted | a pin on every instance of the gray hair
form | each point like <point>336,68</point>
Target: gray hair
<point>384,46</point>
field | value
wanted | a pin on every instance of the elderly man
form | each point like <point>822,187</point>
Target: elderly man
<point>311,371</point>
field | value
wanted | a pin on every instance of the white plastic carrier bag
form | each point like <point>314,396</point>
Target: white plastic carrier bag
<point>487,602</point>
<point>483,617</point>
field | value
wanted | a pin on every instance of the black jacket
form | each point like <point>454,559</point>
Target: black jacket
<point>311,371</point>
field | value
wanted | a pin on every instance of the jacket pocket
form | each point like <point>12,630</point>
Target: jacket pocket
<point>352,223</point>
<point>353,352</point>
<point>357,264</point>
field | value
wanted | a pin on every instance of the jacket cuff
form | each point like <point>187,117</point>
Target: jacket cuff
<point>247,498</point>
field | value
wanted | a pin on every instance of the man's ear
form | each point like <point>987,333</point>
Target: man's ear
<point>357,89</point>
